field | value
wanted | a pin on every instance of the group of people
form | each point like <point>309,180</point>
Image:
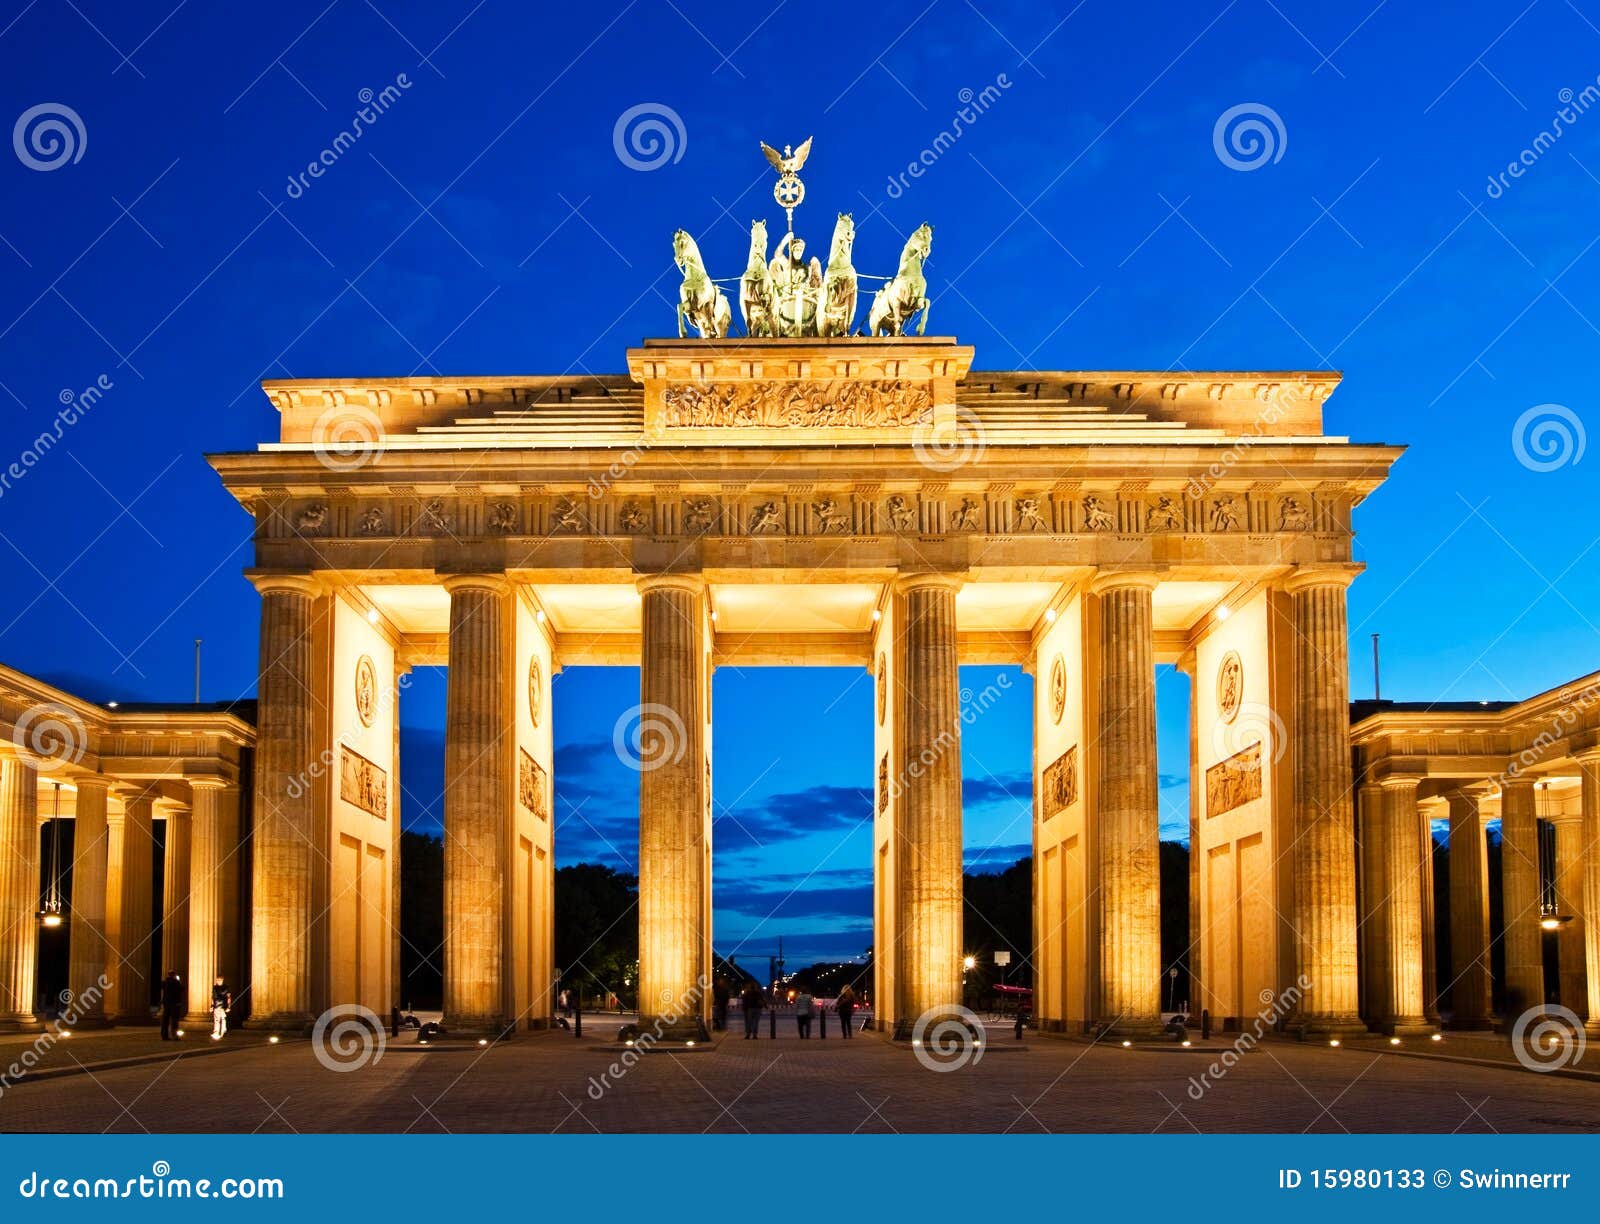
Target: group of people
<point>172,1006</point>
<point>753,1000</point>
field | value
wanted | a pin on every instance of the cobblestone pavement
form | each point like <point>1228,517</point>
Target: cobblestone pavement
<point>554,1083</point>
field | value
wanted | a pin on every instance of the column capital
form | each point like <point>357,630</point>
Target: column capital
<point>1305,577</point>
<point>93,782</point>
<point>1122,579</point>
<point>1400,781</point>
<point>497,583</point>
<point>1587,756</point>
<point>208,782</point>
<point>693,583</point>
<point>1514,777</point>
<point>276,582</point>
<point>925,579</point>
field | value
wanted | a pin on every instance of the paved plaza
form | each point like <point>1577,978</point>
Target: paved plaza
<point>552,1083</point>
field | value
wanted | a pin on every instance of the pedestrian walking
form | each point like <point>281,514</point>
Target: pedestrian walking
<point>804,1006</point>
<point>719,1004</point>
<point>171,1005</point>
<point>751,1000</point>
<point>846,1007</point>
<point>221,1005</point>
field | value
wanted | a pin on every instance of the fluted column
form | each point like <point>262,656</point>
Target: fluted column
<point>1430,938</point>
<point>1126,812</point>
<point>135,921</point>
<point>89,938</point>
<point>669,750</point>
<point>208,860</point>
<point>1373,823</point>
<point>396,851</point>
<point>230,868</point>
<point>1469,914</point>
<point>479,737</point>
<point>1571,937</point>
<point>1323,853</point>
<point>175,897</point>
<point>284,842</point>
<point>1405,863</point>
<point>1589,763</point>
<point>927,725</point>
<point>1519,878</point>
<point>19,891</point>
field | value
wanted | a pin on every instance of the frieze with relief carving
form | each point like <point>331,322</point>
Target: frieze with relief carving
<point>363,784</point>
<point>1061,783</point>
<point>1234,782</point>
<point>533,785</point>
<point>836,404</point>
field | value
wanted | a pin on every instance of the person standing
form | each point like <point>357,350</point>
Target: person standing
<point>846,1008</point>
<point>751,1001</point>
<point>804,1006</point>
<point>719,1004</point>
<point>171,1005</point>
<point>221,1005</point>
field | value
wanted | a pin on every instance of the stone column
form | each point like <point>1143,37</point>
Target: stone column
<point>89,938</point>
<point>175,898</point>
<point>1519,876</point>
<point>477,797</point>
<point>19,891</point>
<point>135,924</point>
<point>1323,856</point>
<point>927,724</point>
<point>208,863</point>
<point>1430,939</point>
<point>1375,836</point>
<point>1126,806</point>
<point>396,848</point>
<point>1589,763</point>
<point>1571,937</point>
<point>116,839</point>
<point>669,751</point>
<point>1405,864</point>
<point>1469,914</point>
<point>287,711</point>
<point>230,866</point>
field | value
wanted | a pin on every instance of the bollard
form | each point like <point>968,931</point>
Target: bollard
<point>772,1021</point>
<point>577,1016</point>
<point>822,1017</point>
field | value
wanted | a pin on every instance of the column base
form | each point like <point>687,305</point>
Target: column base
<point>88,1024</point>
<point>674,1028</point>
<point>1407,1026</point>
<point>20,1022</point>
<point>496,1028</point>
<point>295,1024</point>
<point>1132,1028</point>
<point>1328,1028</point>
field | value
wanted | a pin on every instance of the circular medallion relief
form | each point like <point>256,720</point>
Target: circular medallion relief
<point>883,688</point>
<point>1058,689</point>
<point>535,690</point>
<point>366,690</point>
<point>1230,686</point>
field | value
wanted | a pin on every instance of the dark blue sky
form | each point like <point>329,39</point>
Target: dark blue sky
<point>486,224</point>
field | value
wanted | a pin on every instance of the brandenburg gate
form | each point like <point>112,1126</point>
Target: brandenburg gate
<point>806,495</point>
